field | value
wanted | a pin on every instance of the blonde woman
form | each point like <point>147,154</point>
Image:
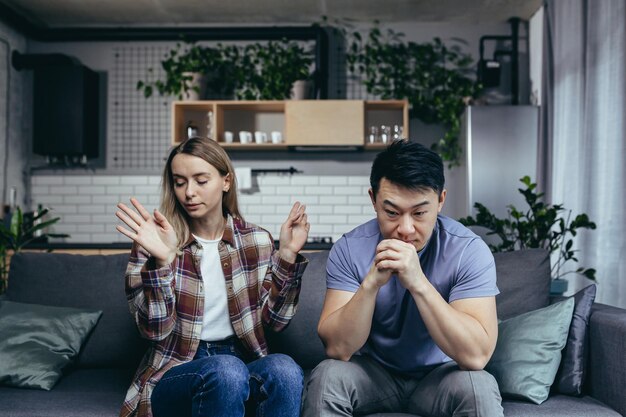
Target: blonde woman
<point>203,286</point>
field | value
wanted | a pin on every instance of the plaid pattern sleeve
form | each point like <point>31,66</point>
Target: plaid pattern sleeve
<point>150,294</point>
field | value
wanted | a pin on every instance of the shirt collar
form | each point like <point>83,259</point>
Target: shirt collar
<point>227,237</point>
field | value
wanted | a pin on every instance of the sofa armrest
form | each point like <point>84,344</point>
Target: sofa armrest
<point>607,356</point>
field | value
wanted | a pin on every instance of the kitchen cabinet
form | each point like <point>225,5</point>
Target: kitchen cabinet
<point>301,123</point>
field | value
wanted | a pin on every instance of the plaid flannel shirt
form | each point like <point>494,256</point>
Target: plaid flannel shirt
<point>167,303</point>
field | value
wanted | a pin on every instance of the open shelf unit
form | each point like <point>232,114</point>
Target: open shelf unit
<point>325,123</point>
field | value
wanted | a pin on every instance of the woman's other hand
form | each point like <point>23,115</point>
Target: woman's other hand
<point>294,232</point>
<point>153,232</point>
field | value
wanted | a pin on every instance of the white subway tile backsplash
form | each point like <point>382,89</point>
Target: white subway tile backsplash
<point>93,190</point>
<point>87,204</point>
<point>90,228</point>
<point>308,200</point>
<point>105,199</point>
<point>125,190</point>
<point>47,199</point>
<point>347,209</point>
<point>134,180</point>
<point>64,190</point>
<point>333,180</point>
<point>265,180</point>
<point>47,180</point>
<point>350,190</point>
<point>147,190</point>
<point>261,209</point>
<point>359,181</point>
<point>334,199</point>
<point>106,180</point>
<point>289,190</point>
<point>76,199</point>
<point>319,191</point>
<point>77,180</point>
<point>91,209</point>
<point>304,180</point>
<point>275,199</point>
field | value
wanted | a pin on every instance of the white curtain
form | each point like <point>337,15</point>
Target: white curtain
<point>588,70</point>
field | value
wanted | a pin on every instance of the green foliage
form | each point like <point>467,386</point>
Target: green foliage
<point>541,226</point>
<point>258,71</point>
<point>20,233</point>
<point>436,79</point>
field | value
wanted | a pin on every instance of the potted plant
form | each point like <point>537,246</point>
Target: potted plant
<point>279,70</point>
<point>540,226</point>
<point>435,78</point>
<point>193,71</point>
<point>23,229</point>
<point>258,71</point>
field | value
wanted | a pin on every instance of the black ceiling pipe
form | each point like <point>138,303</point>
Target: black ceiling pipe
<point>31,61</point>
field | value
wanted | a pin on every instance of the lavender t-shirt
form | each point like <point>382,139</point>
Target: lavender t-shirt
<point>455,261</point>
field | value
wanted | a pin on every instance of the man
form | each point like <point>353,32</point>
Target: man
<point>410,315</point>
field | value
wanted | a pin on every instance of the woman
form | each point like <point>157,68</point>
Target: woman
<point>203,285</point>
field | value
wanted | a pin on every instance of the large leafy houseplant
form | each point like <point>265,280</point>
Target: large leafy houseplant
<point>542,225</point>
<point>437,79</point>
<point>22,230</point>
<point>257,71</point>
<point>218,65</point>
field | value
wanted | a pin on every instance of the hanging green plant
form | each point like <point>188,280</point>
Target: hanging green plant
<point>435,78</point>
<point>257,71</point>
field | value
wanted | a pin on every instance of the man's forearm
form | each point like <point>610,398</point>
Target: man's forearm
<point>346,330</point>
<point>458,334</point>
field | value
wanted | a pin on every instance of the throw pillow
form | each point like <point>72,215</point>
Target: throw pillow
<point>528,351</point>
<point>38,341</point>
<point>571,375</point>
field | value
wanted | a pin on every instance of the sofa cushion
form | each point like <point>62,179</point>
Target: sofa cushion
<point>84,392</point>
<point>79,281</point>
<point>528,351</point>
<point>571,375</point>
<point>300,340</point>
<point>523,281</point>
<point>559,405</point>
<point>39,341</point>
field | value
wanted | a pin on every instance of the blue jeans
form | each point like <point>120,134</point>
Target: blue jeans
<point>217,382</point>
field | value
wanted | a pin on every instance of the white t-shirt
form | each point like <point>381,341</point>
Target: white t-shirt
<point>215,320</point>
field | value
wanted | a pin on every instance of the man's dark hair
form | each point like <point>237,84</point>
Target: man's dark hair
<point>409,165</point>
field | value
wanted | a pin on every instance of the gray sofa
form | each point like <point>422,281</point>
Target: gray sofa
<point>96,383</point>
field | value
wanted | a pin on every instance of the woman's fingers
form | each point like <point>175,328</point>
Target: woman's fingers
<point>132,223</point>
<point>131,213</point>
<point>140,208</point>
<point>126,233</point>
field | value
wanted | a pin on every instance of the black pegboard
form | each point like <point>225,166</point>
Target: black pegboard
<point>140,127</point>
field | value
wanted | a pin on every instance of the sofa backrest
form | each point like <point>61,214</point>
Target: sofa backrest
<point>523,280</point>
<point>83,281</point>
<point>97,282</point>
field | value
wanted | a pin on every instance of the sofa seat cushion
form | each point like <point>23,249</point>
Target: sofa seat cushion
<point>559,405</point>
<point>83,392</point>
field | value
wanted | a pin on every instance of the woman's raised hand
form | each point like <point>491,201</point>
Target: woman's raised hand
<point>153,232</point>
<point>294,232</point>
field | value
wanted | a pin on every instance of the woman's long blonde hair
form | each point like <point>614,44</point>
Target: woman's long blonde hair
<point>215,155</point>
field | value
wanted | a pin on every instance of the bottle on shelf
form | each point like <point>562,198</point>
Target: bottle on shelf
<point>209,125</point>
<point>191,129</point>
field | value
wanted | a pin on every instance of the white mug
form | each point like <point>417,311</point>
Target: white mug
<point>277,137</point>
<point>260,137</point>
<point>228,136</point>
<point>245,136</point>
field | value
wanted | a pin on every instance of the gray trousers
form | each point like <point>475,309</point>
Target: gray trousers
<point>362,386</point>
